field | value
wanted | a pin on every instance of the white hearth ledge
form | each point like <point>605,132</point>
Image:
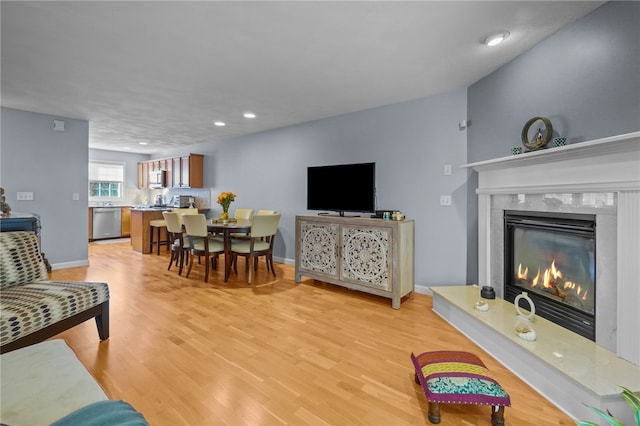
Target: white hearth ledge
<point>562,366</point>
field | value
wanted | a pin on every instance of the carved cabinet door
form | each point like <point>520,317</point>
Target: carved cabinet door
<point>319,248</point>
<point>366,256</point>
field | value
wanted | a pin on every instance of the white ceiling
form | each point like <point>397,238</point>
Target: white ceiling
<point>162,72</point>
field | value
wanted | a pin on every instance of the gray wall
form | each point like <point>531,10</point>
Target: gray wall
<point>585,79</point>
<point>52,165</point>
<point>410,143</point>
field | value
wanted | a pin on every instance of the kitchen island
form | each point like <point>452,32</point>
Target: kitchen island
<point>140,232</point>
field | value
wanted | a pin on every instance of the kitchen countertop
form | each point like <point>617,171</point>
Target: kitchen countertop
<point>152,208</point>
<point>160,208</point>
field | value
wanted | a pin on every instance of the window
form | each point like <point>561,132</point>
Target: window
<point>106,181</point>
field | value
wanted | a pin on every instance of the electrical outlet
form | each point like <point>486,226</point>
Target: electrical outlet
<point>24,196</point>
<point>447,169</point>
<point>445,200</point>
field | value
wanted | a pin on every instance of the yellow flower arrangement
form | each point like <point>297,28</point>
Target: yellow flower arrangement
<point>225,199</point>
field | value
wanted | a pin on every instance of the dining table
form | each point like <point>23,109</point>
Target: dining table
<point>226,228</point>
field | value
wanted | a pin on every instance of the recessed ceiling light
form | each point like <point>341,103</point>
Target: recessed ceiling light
<point>127,147</point>
<point>219,123</point>
<point>142,143</point>
<point>249,114</point>
<point>495,39</point>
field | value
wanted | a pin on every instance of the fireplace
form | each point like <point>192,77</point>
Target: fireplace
<point>559,181</point>
<point>534,181</point>
<point>552,257</point>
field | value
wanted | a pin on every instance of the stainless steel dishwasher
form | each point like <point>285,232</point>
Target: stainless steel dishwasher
<point>106,222</point>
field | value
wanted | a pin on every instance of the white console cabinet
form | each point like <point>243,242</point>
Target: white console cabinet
<point>371,255</point>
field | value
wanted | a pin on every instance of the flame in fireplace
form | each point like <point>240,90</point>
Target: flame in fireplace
<point>534,282</point>
<point>551,279</point>
<point>576,288</point>
<point>555,271</point>
<point>522,275</point>
<point>551,274</point>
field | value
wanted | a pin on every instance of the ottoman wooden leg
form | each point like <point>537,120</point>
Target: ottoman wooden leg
<point>415,379</point>
<point>497,415</point>
<point>434,412</point>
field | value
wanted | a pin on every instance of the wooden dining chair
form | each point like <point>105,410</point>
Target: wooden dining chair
<point>201,243</point>
<point>259,243</point>
<point>179,250</point>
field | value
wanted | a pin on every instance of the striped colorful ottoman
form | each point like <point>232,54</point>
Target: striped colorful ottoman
<point>455,377</point>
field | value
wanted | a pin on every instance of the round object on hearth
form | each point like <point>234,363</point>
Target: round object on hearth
<point>529,336</point>
<point>481,305</point>
<point>525,331</point>
<point>541,137</point>
<point>532,307</point>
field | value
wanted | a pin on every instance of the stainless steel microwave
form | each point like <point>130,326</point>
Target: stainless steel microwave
<point>157,179</point>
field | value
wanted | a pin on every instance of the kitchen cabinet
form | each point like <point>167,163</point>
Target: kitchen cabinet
<point>168,166</point>
<point>182,172</point>
<point>125,224</point>
<point>370,255</point>
<point>143,175</point>
<point>176,172</point>
<point>191,171</point>
<point>90,223</point>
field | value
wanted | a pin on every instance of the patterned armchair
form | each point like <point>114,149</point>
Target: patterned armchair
<point>32,308</point>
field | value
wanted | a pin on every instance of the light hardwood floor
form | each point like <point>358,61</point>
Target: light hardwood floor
<point>274,353</point>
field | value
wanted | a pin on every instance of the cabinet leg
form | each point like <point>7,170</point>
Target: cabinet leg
<point>298,278</point>
<point>395,302</point>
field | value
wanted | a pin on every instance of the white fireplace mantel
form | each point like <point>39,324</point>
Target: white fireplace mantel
<point>610,164</point>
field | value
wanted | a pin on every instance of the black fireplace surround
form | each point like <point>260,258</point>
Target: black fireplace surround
<point>551,256</point>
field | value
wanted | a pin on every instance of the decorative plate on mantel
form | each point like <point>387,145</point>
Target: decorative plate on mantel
<point>540,139</point>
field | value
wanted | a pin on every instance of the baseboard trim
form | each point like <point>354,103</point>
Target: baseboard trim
<point>66,265</point>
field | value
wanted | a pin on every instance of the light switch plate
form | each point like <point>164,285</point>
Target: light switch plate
<point>445,200</point>
<point>447,169</point>
<point>24,196</point>
<point>75,196</point>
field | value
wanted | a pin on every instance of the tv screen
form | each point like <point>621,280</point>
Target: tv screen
<point>342,188</point>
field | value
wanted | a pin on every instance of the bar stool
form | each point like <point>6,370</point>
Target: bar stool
<point>157,225</point>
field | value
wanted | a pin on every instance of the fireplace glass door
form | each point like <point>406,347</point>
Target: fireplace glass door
<point>551,256</point>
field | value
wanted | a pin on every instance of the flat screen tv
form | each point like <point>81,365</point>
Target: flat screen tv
<point>342,188</point>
